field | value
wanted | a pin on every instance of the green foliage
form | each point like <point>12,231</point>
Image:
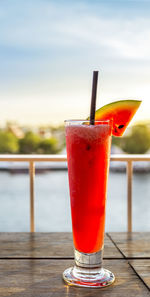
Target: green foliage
<point>48,146</point>
<point>8,143</point>
<point>116,140</point>
<point>32,143</point>
<point>138,142</point>
<point>29,144</point>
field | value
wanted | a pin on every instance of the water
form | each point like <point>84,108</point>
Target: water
<point>52,209</point>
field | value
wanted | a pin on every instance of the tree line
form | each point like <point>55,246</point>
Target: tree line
<point>31,143</point>
<point>137,141</point>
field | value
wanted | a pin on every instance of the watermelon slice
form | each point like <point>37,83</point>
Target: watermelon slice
<point>120,112</point>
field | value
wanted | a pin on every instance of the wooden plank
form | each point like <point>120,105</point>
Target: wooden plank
<point>43,278</point>
<point>110,251</point>
<point>142,268</point>
<point>62,158</point>
<point>132,245</point>
<point>34,158</point>
<point>44,245</point>
<point>36,245</point>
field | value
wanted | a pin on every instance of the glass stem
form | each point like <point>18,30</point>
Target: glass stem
<point>92,260</point>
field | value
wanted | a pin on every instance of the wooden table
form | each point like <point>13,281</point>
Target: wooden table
<point>31,264</point>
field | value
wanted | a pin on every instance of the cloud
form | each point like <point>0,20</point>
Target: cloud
<point>50,27</point>
<point>49,49</point>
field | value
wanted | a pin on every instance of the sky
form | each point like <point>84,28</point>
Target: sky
<point>48,50</point>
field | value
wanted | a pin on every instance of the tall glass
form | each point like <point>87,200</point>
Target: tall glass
<point>88,154</point>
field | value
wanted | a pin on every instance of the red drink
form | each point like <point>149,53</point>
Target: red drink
<point>88,151</point>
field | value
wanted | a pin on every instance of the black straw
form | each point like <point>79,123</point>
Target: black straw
<point>93,97</point>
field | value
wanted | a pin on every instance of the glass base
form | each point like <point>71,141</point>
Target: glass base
<point>88,271</point>
<point>90,278</point>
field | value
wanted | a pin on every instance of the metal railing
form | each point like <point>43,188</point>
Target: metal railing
<point>31,159</point>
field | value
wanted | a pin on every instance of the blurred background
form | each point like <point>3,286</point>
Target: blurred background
<point>48,50</point>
